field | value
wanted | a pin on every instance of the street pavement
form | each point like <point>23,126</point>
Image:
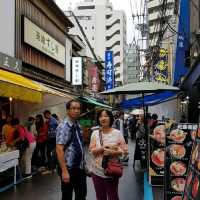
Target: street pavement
<point>47,187</point>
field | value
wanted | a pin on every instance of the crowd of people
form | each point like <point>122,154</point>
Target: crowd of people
<point>35,140</point>
<point>46,142</point>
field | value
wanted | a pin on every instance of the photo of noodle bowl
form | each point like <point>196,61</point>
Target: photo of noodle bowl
<point>157,157</point>
<point>178,184</point>
<point>177,135</point>
<point>177,151</point>
<point>177,198</point>
<point>159,134</point>
<point>178,168</point>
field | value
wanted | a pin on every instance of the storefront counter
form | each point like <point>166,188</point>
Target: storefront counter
<point>7,161</point>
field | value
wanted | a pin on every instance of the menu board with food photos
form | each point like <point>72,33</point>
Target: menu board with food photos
<point>179,142</point>
<point>192,187</point>
<point>157,155</point>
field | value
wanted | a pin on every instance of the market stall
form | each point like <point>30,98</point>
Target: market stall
<point>9,159</point>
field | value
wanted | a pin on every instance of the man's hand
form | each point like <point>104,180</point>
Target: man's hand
<point>65,177</point>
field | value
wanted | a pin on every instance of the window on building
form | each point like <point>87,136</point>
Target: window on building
<point>93,27</point>
<point>92,38</point>
<point>85,28</point>
<point>86,7</point>
<point>84,17</point>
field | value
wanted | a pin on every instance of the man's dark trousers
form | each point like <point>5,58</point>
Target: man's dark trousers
<point>77,184</point>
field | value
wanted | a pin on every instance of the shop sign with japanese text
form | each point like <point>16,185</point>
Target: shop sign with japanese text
<point>109,70</point>
<point>161,72</point>
<point>10,63</point>
<point>42,41</point>
<point>77,71</point>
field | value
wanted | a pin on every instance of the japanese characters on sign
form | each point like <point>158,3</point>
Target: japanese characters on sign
<point>77,71</point>
<point>42,41</point>
<point>10,63</point>
<point>109,70</point>
<point>161,73</point>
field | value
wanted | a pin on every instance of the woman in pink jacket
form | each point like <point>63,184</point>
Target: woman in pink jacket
<point>22,135</point>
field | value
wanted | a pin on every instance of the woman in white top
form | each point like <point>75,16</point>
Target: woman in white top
<point>114,146</point>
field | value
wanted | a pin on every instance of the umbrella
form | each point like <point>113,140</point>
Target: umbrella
<point>141,87</point>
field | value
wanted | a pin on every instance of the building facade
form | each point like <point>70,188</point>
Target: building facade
<point>35,58</point>
<point>105,29</point>
<point>162,25</point>
<point>133,64</point>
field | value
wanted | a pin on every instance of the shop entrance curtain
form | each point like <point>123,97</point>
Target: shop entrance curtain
<point>18,87</point>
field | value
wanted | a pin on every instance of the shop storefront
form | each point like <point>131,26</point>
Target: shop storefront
<point>191,85</point>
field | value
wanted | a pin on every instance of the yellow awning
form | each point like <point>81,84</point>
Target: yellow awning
<point>47,89</point>
<point>18,87</point>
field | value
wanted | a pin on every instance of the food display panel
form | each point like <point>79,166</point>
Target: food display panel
<point>192,187</point>
<point>157,155</point>
<point>179,144</point>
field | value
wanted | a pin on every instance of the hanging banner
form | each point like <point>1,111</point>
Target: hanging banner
<point>157,155</point>
<point>161,68</point>
<point>179,141</point>
<point>192,188</point>
<point>183,41</point>
<point>77,71</point>
<point>109,70</point>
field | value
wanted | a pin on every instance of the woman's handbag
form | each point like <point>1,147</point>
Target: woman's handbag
<point>112,167</point>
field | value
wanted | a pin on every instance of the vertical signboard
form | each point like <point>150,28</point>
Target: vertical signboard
<point>109,70</point>
<point>179,142</point>
<point>161,68</point>
<point>77,71</point>
<point>192,188</point>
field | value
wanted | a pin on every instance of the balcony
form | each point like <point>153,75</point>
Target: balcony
<point>156,3</point>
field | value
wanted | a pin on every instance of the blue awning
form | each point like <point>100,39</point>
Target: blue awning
<point>149,100</point>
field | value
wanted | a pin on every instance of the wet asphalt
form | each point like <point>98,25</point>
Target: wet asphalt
<point>47,187</point>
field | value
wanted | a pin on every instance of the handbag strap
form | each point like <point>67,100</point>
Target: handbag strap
<point>100,137</point>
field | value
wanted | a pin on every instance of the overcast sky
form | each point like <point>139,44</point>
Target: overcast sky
<point>117,5</point>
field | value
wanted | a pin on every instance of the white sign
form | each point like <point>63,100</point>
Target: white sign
<point>76,71</point>
<point>42,41</point>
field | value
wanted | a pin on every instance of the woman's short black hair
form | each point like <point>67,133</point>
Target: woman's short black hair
<point>68,104</point>
<point>110,115</point>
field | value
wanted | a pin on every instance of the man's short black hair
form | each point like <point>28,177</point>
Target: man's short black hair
<point>110,115</point>
<point>46,112</point>
<point>68,104</point>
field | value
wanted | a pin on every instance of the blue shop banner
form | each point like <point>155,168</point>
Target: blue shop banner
<point>109,70</point>
<point>183,41</point>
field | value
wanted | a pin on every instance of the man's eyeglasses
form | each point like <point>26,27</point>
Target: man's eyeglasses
<point>75,108</point>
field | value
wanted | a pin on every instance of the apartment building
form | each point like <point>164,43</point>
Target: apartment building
<point>105,29</point>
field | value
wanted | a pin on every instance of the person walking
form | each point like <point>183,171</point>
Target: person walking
<point>70,154</point>
<point>51,141</point>
<point>113,146</point>
<point>42,129</point>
